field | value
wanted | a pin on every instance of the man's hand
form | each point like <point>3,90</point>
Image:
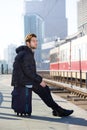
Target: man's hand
<point>43,84</point>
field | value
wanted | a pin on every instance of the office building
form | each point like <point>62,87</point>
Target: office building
<point>82,16</point>
<point>9,55</point>
<point>53,15</point>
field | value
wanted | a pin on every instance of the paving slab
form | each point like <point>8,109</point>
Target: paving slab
<point>42,118</point>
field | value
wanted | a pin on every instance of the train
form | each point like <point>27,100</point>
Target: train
<point>70,55</point>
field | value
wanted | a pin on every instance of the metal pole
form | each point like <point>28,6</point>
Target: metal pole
<point>86,79</point>
<point>58,56</point>
<point>7,68</point>
<point>70,55</point>
<point>80,68</point>
<point>2,69</point>
<point>70,63</point>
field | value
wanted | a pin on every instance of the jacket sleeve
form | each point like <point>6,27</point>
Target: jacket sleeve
<point>29,69</point>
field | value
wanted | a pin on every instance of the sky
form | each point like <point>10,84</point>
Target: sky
<point>11,21</point>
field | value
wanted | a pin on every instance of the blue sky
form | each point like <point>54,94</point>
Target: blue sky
<point>11,21</point>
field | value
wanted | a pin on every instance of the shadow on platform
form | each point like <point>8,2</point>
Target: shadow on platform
<point>8,118</point>
<point>67,120</point>
<point>1,98</point>
<point>5,116</point>
<point>5,107</point>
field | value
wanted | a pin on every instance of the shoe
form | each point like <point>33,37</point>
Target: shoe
<point>62,112</point>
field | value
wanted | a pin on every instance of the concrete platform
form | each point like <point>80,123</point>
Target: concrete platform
<point>41,118</point>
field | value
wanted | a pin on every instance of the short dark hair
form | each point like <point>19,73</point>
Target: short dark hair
<point>29,36</point>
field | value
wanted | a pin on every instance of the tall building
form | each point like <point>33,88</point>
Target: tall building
<point>52,13</point>
<point>9,55</point>
<point>82,16</point>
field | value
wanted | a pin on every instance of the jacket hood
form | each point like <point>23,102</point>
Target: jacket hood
<point>22,48</point>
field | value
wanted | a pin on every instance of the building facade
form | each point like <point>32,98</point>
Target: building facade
<point>9,55</point>
<point>53,15</point>
<point>82,16</point>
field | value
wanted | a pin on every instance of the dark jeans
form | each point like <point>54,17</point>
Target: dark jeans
<point>45,95</point>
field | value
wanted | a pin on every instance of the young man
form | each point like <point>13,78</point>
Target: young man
<point>24,73</point>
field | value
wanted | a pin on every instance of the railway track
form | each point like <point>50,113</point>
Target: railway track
<point>76,95</point>
<point>78,101</point>
<point>69,77</point>
<point>74,90</point>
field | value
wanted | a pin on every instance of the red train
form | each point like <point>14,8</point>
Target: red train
<point>70,54</point>
<point>69,59</point>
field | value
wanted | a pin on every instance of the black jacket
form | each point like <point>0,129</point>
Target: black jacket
<point>24,68</point>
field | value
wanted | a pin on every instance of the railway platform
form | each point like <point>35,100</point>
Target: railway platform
<point>41,118</point>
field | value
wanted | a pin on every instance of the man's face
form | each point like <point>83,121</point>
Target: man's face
<point>33,43</point>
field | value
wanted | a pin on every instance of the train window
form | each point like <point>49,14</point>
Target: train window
<point>63,55</point>
<point>53,58</point>
<point>68,55</point>
<point>74,53</point>
<point>83,52</point>
<point>77,53</point>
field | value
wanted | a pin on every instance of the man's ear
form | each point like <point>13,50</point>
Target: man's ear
<point>27,43</point>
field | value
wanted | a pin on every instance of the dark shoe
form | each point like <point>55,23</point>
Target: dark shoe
<point>62,112</point>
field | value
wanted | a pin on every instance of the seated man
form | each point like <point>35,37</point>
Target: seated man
<point>24,73</point>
